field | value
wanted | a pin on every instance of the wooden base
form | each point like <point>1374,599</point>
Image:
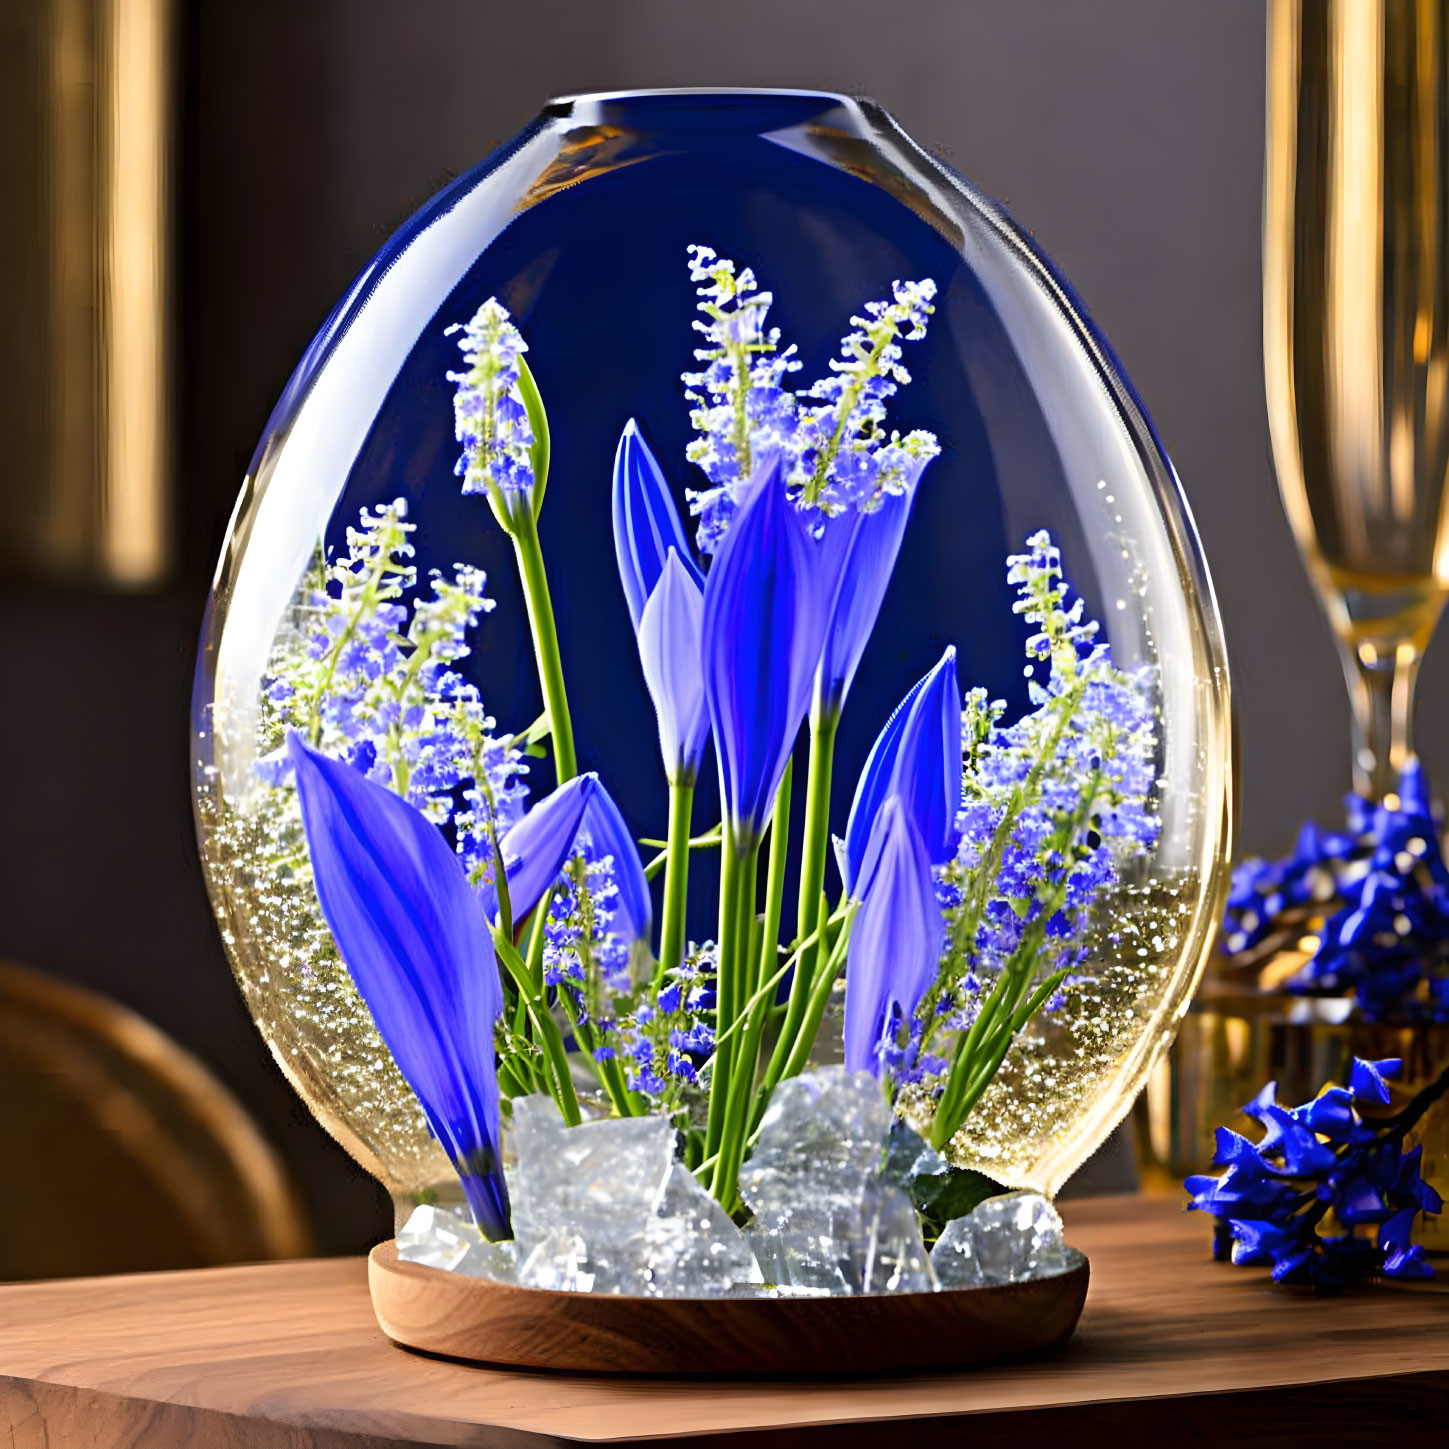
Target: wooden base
<point>471,1318</point>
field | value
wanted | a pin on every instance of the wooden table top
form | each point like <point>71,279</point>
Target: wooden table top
<point>1171,1345</point>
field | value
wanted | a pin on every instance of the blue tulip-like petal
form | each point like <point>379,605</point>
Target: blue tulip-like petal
<point>1303,1154</point>
<point>859,552</point>
<point>536,850</point>
<point>764,623</point>
<point>609,835</point>
<point>1233,1147</point>
<point>896,942</point>
<point>1357,1200</point>
<point>872,789</point>
<point>1407,1260</point>
<point>1244,1190</point>
<point>646,522</point>
<point>1367,1080</point>
<point>671,632</point>
<point>1258,1243</point>
<point>1329,1114</point>
<point>1260,1110</point>
<point>1412,1187</point>
<point>918,757</point>
<point>417,943</point>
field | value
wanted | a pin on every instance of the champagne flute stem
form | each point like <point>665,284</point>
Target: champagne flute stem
<point>1381,681</point>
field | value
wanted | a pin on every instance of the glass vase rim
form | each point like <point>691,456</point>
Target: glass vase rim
<point>734,102</point>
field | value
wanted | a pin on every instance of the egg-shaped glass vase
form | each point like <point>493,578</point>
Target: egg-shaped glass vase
<point>708,606</point>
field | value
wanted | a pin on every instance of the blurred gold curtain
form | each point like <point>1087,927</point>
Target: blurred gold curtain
<point>85,280</point>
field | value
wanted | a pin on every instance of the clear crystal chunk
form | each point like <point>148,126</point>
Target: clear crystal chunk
<point>1004,1239</point>
<point>439,1237</point>
<point>824,1220</point>
<point>828,1124</point>
<point>896,1260</point>
<point>584,1197</point>
<point>604,1207</point>
<point>558,1260</point>
<point>693,1249</point>
<point>909,1157</point>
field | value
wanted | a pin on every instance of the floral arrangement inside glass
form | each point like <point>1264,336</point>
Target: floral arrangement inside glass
<point>841,1026</point>
<point>516,942</point>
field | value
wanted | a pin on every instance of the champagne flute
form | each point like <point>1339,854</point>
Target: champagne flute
<point>1356,335</point>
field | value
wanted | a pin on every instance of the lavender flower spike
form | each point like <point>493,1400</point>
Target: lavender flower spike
<point>498,416</point>
<point>917,756</point>
<point>538,848</point>
<point>764,624</point>
<point>414,936</point>
<point>646,523</point>
<point>895,946</point>
<point>670,633</point>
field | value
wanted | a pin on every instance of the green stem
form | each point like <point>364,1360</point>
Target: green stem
<point>799,1053</point>
<point>676,875</point>
<point>947,1124</point>
<point>775,877</point>
<point>737,903</point>
<point>737,1116</point>
<point>510,1084</point>
<point>526,1069</point>
<point>607,1073</point>
<point>987,871</point>
<point>544,629</point>
<point>550,1038</point>
<point>967,1046</point>
<point>729,870</point>
<point>707,841</point>
<point>537,939</point>
<point>754,1010</point>
<point>823,726</point>
<point>545,644</point>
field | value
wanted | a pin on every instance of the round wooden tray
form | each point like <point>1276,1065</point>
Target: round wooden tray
<point>472,1318</point>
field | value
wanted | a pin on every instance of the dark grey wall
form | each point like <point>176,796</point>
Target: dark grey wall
<point>1125,133</point>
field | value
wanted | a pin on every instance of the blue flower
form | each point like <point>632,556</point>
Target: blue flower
<point>1384,887</point>
<point>764,623</point>
<point>368,677</point>
<point>537,849</point>
<point>1367,1082</point>
<point>584,924</point>
<point>501,451</point>
<point>671,636</point>
<point>742,411</point>
<point>1057,798</point>
<point>838,455</point>
<point>860,550</point>
<point>896,940</point>
<point>1277,1192</point>
<point>417,943</point>
<point>845,457</point>
<point>917,756</point>
<point>646,523</point>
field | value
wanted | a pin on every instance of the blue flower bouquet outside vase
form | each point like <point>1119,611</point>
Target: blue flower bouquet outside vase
<point>712,709</point>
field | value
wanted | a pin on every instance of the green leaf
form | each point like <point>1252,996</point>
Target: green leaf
<point>943,1196</point>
